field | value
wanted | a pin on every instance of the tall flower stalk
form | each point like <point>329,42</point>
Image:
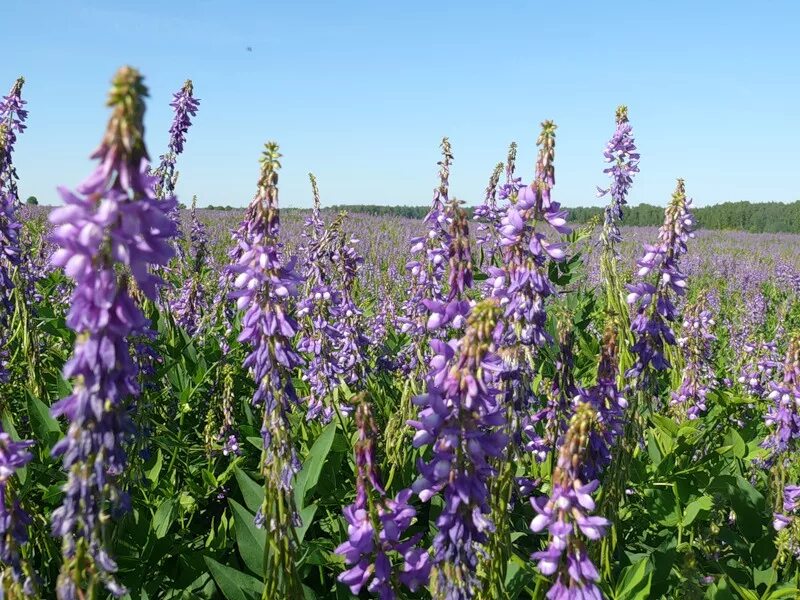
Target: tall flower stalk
<point>377,525</point>
<point>191,304</point>
<point>110,232</point>
<point>16,578</point>
<point>427,271</point>
<point>264,285</point>
<point>461,418</point>
<point>185,106</point>
<point>565,515</point>
<point>12,123</point>
<point>698,377</point>
<point>661,281</point>
<point>623,160</point>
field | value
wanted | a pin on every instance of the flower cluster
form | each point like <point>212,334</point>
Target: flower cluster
<point>453,309</point>
<point>654,306</point>
<point>462,420</point>
<point>488,215</point>
<point>191,304</point>
<point>264,285</point>
<point>109,235</point>
<point>377,525</point>
<point>762,363</point>
<point>522,284</point>
<point>783,416</point>
<point>14,521</point>
<point>185,106</point>
<point>698,372</point>
<point>623,161</point>
<point>565,515</point>
<point>427,271</point>
<point>330,326</point>
<point>12,122</point>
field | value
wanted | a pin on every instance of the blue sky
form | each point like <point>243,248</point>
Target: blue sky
<point>360,93</point>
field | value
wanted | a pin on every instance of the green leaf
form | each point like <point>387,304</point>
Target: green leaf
<point>153,472</point>
<point>736,443</point>
<point>308,476</point>
<point>307,518</point>
<point>697,507</point>
<point>635,582</point>
<point>249,538</point>
<point>665,424</point>
<point>234,584</point>
<point>252,493</point>
<point>163,518</point>
<point>44,426</point>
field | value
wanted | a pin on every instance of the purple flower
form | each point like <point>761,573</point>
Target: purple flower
<point>185,106</point>
<point>461,418</point>
<point>191,304</point>
<point>12,122</point>
<point>330,319</point>
<point>264,286</point>
<point>653,302</point>
<point>783,416</point>
<point>698,373</point>
<point>110,233</point>
<point>377,526</point>
<point>488,216</point>
<point>14,521</point>
<point>565,516</point>
<point>521,283</point>
<point>621,153</point>
<point>427,270</point>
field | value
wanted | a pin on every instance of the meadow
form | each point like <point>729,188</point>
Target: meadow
<point>318,404</point>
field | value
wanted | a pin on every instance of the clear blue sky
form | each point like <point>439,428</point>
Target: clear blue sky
<point>360,93</point>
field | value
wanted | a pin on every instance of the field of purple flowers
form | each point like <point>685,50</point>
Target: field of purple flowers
<point>311,404</point>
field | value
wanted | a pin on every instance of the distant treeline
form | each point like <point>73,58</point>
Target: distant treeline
<point>769,217</point>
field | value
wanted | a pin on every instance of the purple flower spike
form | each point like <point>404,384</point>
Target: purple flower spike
<point>461,418</point>
<point>698,373</point>
<point>14,520</point>
<point>185,106</point>
<point>428,269</point>
<point>565,515</point>
<point>110,234</point>
<point>264,285</point>
<point>377,526</point>
<point>653,302</point>
<point>783,415</point>
<point>623,161</point>
<point>12,122</point>
<point>521,283</point>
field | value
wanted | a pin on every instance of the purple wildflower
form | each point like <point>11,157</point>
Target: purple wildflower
<point>621,154</point>
<point>453,309</point>
<point>110,233</point>
<point>191,303</point>
<point>377,525</point>
<point>655,310</point>
<point>488,216</point>
<point>698,373</point>
<point>14,520</point>
<point>462,419</point>
<point>12,122</point>
<point>521,283</point>
<point>264,285</point>
<point>427,270</point>
<point>185,106</point>
<point>783,416</point>
<point>761,363</point>
<point>565,514</point>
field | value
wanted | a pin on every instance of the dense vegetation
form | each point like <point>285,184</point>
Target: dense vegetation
<point>283,405</point>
